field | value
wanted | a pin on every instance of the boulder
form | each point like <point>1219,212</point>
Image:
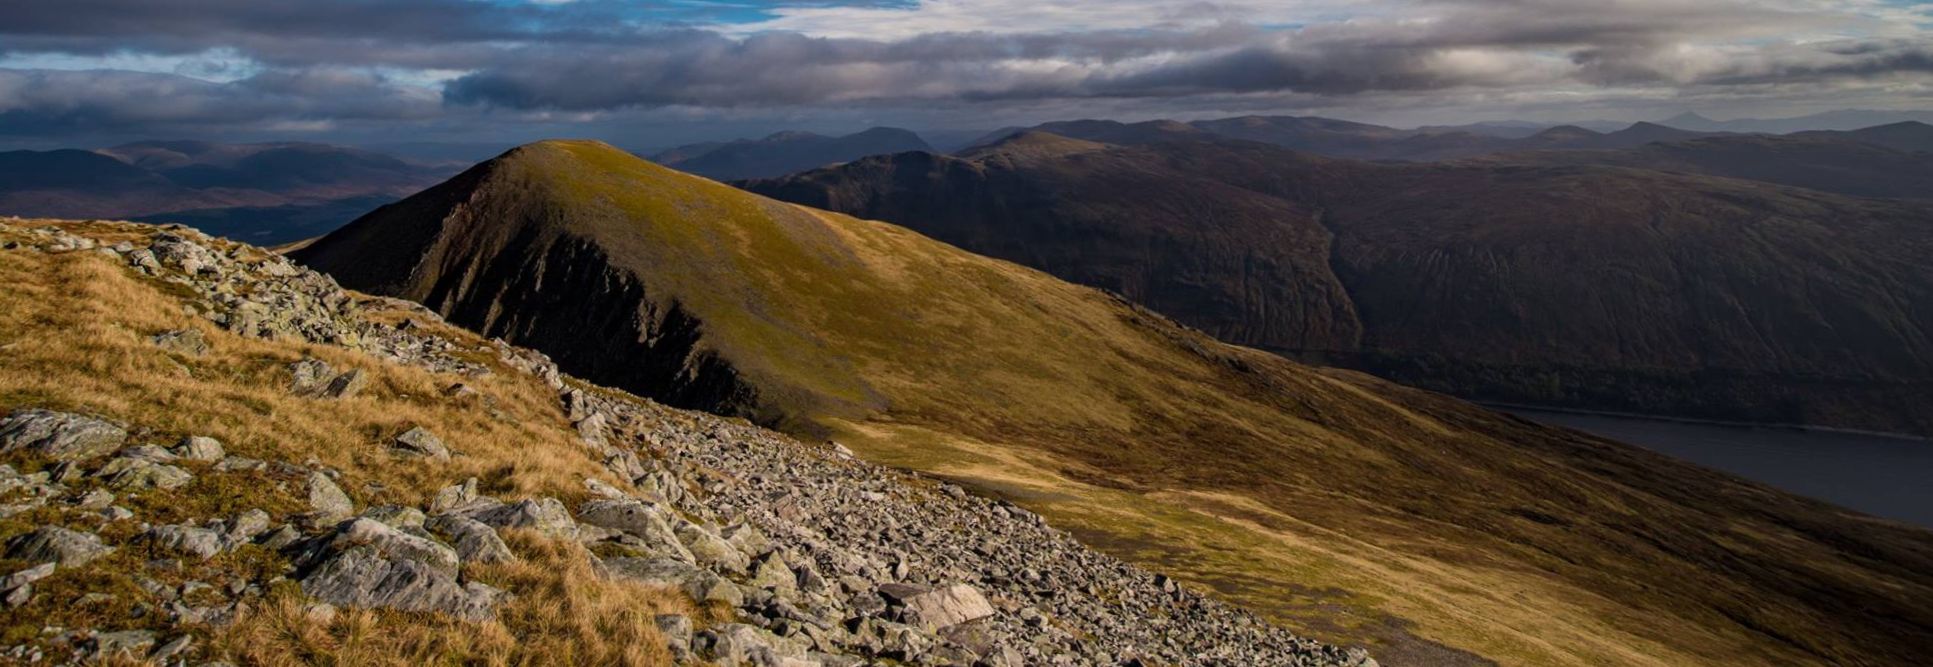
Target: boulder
<point>326,500</point>
<point>200,448</point>
<point>309,376</point>
<point>710,550</point>
<point>54,544</point>
<point>349,383</point>
<point>418,441</point>
<point>246,526</point>
<point>60,435</point>
<point>387,541</point>
<point>369,576</point>
<point>641,520</point>
<point>454,497</point>
<point>771,572</point>
<point>937,608</point>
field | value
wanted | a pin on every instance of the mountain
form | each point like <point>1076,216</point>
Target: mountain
<point>77,183</point>
<point>1841,120</point>
<point>352,480</point>
<point>786,152</point>
<point>1849,163</point>
<point>1575,285</point>
<point>1438,532</point>
<point>266,193</point>
<point>1340,138</point>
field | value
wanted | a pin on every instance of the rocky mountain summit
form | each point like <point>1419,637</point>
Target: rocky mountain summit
<point>131,537</point>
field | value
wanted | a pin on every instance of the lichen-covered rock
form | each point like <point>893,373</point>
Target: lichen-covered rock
<point>60,435</point>
<point>54,544</point>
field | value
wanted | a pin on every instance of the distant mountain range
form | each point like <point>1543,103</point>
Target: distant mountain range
<point>1653,279</point>
<point>1844,119</point>
<point>785,152</point>
<point>262,193</point>
<point>1340,138</point>
<point>1436,532</point>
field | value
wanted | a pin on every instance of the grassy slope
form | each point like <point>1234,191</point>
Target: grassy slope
<point>74,329</point>
<point>1328,499</point>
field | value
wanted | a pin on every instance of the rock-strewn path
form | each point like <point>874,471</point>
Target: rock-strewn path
<point>823,559</point>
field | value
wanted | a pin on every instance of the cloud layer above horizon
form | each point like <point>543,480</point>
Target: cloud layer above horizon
<point>77,68</point>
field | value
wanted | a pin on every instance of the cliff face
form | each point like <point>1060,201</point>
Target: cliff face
<point>1591,287</point>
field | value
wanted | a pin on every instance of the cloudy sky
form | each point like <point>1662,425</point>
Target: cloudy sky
<point>80,72</point>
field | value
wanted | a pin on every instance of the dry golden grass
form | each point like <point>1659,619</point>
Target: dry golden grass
<point>74,332</point>
<point>564,614</point>
<point>76,327</point>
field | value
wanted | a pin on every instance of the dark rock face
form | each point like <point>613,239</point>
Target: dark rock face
<point>1578,286</point>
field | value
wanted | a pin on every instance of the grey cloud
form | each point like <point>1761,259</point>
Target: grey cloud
<point>34,102</point>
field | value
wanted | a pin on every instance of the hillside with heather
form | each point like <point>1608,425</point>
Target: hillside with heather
<point>1428,529</point>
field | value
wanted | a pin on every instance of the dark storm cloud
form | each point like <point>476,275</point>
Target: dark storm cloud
<point>313,61</point>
